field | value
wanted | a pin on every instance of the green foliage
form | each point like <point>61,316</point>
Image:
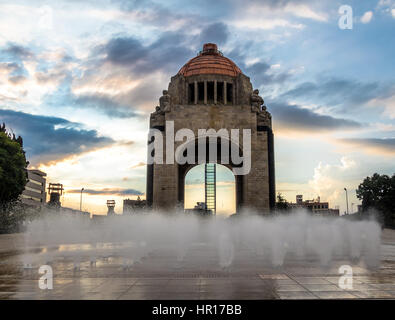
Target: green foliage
<point>282,204</point>
<point>378,192</point>
<point>13,178</point>
<point>13,164</point>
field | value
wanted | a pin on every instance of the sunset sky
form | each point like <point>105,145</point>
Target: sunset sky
<point>78,81</point>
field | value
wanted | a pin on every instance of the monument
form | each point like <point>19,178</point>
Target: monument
<point>211,92</point>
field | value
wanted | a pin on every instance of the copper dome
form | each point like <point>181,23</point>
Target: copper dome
<point>210,61</point>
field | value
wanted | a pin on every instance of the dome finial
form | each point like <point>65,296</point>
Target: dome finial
<point>210,48</point>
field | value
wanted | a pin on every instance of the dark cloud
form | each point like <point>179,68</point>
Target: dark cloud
<point>50,138</point>
<point>146,93</point>
<point>108,105</point>
<point>17,79</point>
<point>125,50</point>
<point>104,104</point>
<point>52,76</point>
<point>133,57</point>
<point>16,72</point>
<point>17,51</point>
<point>335,91</point>
<point>259,72</point>
<point>168,53</point>
<point>216,32</point>
<point>296,118</point>
<point>108,191</point>
<point>159,15</point>
<point>260,75</point>
<point>10,66</point>
<point>383,145</point>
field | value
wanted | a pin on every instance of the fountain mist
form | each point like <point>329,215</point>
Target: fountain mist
<point>272,239</point>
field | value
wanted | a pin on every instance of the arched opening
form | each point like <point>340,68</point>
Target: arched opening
<point>183,169</point>
<point>194,189</point>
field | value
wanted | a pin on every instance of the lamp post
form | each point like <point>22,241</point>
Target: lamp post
<point>81,199</point>
<point>346,198</point>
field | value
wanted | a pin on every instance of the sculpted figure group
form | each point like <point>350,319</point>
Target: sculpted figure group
<point>257,106</point>
<point>164,105</point>
<point>257,102</point>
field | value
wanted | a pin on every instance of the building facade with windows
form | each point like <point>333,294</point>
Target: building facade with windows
<point>34,193</point>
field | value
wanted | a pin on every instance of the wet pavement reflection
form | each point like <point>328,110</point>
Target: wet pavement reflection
<point>159,275</point>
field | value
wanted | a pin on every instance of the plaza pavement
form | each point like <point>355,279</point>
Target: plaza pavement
<point>160,276</point>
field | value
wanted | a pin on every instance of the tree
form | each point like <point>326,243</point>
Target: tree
<point>378,192</point>
<point>282,204</point>
<point>13,175</point>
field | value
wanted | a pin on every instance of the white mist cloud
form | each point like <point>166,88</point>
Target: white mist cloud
<point>266,24</point>
<point>367,17</point>
<point>330,180</point>
<point>388,103</point>
<point>304,11</point>
<point>263,16</point>
<point>387,6</point>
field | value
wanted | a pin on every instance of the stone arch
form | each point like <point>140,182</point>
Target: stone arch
<point>182,170</point>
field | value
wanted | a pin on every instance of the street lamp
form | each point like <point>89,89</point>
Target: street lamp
<point>346,198</point>
<point>81,199</point>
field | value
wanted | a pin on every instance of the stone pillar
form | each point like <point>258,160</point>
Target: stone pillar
<point>215,91</point>
<point>225,102</point>
<point>196,92</point>
<point>205,92</point>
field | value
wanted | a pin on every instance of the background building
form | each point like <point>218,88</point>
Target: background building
<point>34,193</point>
<point>315,206</point>
<point>133,206</point>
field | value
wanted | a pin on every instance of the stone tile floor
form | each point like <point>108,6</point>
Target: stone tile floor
<point>160,276</point>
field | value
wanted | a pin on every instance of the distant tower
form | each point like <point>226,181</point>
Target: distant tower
<point>110,206</point>
<point>210,191</point>
<point>55,191</point>
<point>299,199</point>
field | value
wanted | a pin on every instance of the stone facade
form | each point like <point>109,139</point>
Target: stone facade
<point>219,101</point>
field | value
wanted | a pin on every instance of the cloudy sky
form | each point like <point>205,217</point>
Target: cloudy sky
<point>78,82</point>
